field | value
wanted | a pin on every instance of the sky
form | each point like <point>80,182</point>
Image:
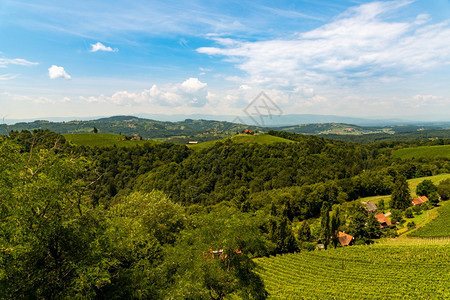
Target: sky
<point>346,57</point>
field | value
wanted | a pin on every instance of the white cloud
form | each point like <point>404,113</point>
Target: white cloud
<point>4,62</point>
<point>57,72</point>
<point>193,85</point>
<point>190,93</point>
<point>100,47</point>
<point>359,44</point>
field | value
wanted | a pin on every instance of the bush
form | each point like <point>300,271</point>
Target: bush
<point>409,213</point>
<point>411,225</point>
<point>444,189</point>
<point>396,216</point>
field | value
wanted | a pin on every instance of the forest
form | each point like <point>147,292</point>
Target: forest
<point>162,220</point>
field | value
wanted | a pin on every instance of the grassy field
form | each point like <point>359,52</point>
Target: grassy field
<point>435,179</point>
<point>438,227</point>
<point>100,140</point>
<point>425,151</point>
<point>360,272</point>
<point>245,139</point>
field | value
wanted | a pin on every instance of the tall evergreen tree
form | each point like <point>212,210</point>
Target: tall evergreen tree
<point>400,199</point>
<point>325,224</point>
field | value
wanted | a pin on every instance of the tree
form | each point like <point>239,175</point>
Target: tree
<point>409,213</point>
<point>433,198</point>
<point>334,225</point>
<point>444,189</point>
<point>425,188</point>
<point>95,130</point>
<point>212,258</point>
<point>325,224</point>
<point>304,232</point>
<point>400,199</point>
<point>47,226</point>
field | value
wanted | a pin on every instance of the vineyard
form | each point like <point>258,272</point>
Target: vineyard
<point>438,227</point>
<point>360,272</point>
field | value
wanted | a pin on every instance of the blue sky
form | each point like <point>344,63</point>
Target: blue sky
<point>350,58</point>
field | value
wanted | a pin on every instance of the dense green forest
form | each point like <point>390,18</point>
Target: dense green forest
<point>162,220</point>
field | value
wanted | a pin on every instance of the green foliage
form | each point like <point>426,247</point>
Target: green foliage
<point>400,199</point>
<point>396,216</point>
<point>411,225</point>
<point>409,213</point>
<point>425,188</point>
<point>45,234</point>
<point>444,189</point>
<point>325,224</point>
<point>101,140</point>
<point>342,273</point>
<point>201,273</point>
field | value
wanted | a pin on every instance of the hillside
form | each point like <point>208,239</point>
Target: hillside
<point>181,132</point>
<point>438,227</point>
<point>100,140</point>
<point>423,152</point>
<point>261,139</point>
<point>207,130</point>
<point>360,272</point>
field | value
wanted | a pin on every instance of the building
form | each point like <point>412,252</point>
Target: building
<point>371,207</point>
<point>419,200</point>
<point>344,239</point>
<point>384,222</point>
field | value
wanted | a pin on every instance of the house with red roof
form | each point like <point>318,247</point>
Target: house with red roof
<point>344,238</point>
<point>419,200</point>
<point>384,222</point>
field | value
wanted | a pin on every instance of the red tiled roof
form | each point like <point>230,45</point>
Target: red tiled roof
<point>383,220</point>
<point>419,200</point>
<point>344,238</point>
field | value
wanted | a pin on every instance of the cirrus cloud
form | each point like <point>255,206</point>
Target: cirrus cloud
<point>360,43</point>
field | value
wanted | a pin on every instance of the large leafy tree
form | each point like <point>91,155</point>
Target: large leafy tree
<point>425,188</point>
<point>400,199</point>
<point>212,259</point>
<point>45,221</point>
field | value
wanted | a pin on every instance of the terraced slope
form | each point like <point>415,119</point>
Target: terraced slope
<point>438,227</point>
<point>360,272</point>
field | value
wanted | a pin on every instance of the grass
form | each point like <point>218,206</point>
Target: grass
<point>100,140</point>
<point>263,139</point>
<point>423,151</point>
<point>436,179</point>
<point>379,271</point>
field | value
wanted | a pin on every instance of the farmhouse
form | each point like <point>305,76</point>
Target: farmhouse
<point>344,239</point>
<point>384,222</point>
<point>419,200</point>
<point>371,207</point>
<point>246,131</point>
<point>192,143</point>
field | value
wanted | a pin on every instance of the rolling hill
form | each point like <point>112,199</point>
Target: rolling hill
<point>101,140</point>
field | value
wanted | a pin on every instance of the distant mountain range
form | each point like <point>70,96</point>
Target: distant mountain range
<point>205,130</point>
<point>272,121</point>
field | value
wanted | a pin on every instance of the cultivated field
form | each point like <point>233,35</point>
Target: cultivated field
<point>438,227</point>
<point>360,272</point>
<point>246,139</point>
<point>425,151</point>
